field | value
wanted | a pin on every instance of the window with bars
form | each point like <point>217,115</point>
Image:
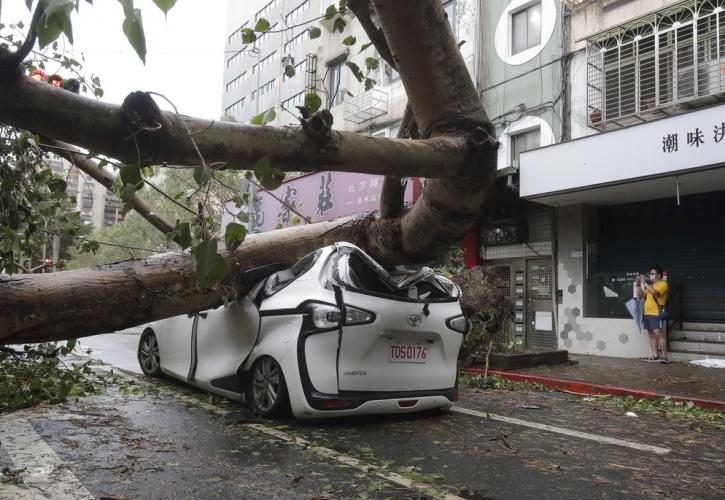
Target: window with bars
<point>660,61</point>
<point>235,59</point>
<point>235,107</point>
<point>300,68</point>
<point>295,42</point>
<point>264,11</point>
<point>267,60</point>
<point>295,100</point>
<point>236,82</point>
<point>337,81</point>
<point>236,34</point>
<point>261,38</point>
<point>266,87</point>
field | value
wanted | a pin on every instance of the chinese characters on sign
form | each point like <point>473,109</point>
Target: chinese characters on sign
<point>318,196</point>
<point>695,138</point>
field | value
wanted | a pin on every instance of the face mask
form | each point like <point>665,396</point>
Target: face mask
<point>653,277</point>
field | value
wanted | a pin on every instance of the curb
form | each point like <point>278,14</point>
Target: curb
<point>589,388</point>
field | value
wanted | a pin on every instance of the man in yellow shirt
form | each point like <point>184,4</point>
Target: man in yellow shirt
<point>655,290</point>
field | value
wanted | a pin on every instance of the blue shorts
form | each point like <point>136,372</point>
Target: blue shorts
<point>652,322</point>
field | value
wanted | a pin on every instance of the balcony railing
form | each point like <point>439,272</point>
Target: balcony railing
<point>662,64</point>
<point>366,106</point>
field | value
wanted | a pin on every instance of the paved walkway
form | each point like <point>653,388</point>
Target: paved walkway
<point>676,379</point>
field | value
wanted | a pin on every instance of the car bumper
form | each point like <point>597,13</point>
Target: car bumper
<point>407,404</point>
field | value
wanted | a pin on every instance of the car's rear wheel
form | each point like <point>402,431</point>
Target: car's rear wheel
<point>266,389</point>
<point>148,354</point>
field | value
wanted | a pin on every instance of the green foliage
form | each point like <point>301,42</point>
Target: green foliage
<point>264,118</point>
<point>54,21</point>
<point>36,375</point>
<point>355,69</point>
<point>314,32</point>
<point>262,26</point>
<point>349,41</point>
<point>673,409</point>
<point>268,176</point>
<point>482,301</point>
<point>165,5</point>
<point>234,235</point>
<point>372,63</point>
<point>210,266</point>
<point>313,102</point>
<point>33,202</point>
<point>133,28</point>
<point>479,381</point>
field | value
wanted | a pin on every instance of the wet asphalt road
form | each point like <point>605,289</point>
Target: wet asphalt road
<point>159,439</point>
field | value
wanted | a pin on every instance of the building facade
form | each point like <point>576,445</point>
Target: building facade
<point>640,179</point>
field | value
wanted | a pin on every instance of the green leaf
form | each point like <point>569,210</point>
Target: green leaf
<point>372,63</point>
<point>248,35</point>
<point>133,28</point>
<point>369,83</point>
<point>165,5</point>
<point>57,185</point>
<point>262,26</point>
<point>54,21</point>
<point>264,118</point>
<point>234,235</point>
<point>365,46</point>
<point>314,32</point>
<point>349,40</point>
<point>339,25</point>
<point>313,102</point>
<point>202,174</point>
<point>131,174</point>
<point>289,71</point>
<point>269,177</point>
<point>330,12</point>
<point>355,70</point>
<point>210,266</point>
<point>183,232</point>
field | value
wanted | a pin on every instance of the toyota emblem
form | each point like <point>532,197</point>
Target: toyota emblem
<point>414,320</point>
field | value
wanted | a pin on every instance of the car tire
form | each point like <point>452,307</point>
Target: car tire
<point>148,354</point>
<point>266,393</point>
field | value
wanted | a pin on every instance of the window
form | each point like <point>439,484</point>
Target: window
<point>254,95</point>
<point>264,11</point>
<point>258,41</point>
<point>391,74</point>
<point>450,8</point>
<point>235,58</point>
<point>297,11</point>
<point>299,69</point>
<point>237,33</point>
<point>295,100</point>
<point>337,83</point>
<point>267,60</point>
<point>656,63</point>
<point>235,82</point>
<point>266,87</point>
<point>295,42</point>
<point>524,141</point>
<point>235,107</point>
<point>526,28</point>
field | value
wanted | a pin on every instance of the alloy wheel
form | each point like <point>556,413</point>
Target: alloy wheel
<point>149,354</point>
<point>266,384</point>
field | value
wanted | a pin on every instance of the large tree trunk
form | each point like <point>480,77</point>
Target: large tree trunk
<point>457,146</point>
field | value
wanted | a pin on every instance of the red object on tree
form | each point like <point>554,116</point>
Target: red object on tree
<point>55,80</point>
<point>38,74</point>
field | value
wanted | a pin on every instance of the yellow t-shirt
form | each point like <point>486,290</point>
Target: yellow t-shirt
<point>650,306</point>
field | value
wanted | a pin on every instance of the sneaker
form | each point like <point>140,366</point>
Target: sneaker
<point>652,359</point>
<point>664,361</point>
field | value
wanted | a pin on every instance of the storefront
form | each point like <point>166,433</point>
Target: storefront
<point>626,200</point>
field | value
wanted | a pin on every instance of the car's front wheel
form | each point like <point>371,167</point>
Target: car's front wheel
<point>266,389</point>
<point>148,354</point>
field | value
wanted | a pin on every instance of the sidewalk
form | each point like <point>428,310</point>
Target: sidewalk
<point>637,377</point>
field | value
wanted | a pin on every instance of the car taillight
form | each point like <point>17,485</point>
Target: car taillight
<point>328,316</point>
<point>332,404</point>
<point>459,324</point>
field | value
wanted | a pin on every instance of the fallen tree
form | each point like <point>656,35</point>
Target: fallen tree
<point>456,149</point>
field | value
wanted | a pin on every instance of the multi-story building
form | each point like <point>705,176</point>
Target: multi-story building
<point>640,179</point>
<point>96,204</point>
<point>255,81</point>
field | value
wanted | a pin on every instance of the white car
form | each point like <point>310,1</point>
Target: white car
<point>333,335</point>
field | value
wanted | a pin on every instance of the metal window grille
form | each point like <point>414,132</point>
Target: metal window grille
<point>657,65</point>
<point>502,274</point>
<point>311,73</point>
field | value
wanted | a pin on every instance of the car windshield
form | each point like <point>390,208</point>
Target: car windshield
<point>280,279</point>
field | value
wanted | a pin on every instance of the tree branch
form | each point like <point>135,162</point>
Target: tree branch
<point>106,128</point>
<point>105,178</point>
<point>364,12</point>
<point>9,62</point>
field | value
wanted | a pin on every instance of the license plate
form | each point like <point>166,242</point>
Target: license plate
<point>407,353</point>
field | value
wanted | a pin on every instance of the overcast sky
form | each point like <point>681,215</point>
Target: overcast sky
<point>185,54</point>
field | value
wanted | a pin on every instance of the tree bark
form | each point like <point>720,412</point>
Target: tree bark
<point>131,134</point>
<point>458,144</point>
<point>100,299</point>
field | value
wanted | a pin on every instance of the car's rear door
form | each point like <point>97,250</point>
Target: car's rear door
<point>407,346</point>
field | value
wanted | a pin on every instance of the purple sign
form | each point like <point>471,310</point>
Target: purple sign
<point>319,196</point>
